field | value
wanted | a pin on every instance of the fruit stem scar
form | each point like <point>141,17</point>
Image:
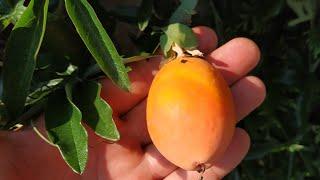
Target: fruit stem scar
<point>201,170</point>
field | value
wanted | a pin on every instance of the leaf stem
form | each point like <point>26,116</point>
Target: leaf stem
<point>138,58</point>
<point>95,69</point>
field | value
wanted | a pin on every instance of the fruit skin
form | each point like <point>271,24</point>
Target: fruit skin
<point>190,113</point>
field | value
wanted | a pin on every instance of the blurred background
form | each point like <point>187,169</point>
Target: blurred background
<point>285,130</point>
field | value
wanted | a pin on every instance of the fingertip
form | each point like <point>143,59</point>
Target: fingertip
<point>207,38</point>
<point>248,93</point>
<point>244,138</point>
<point>235,153</point>
<point>155,164</point>
<point>141,77</point>
<point>235,58</point>
<point>261,88</point>
<point>252,48</point>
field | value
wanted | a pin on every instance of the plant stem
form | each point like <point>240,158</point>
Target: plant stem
<point>35,129</point>
<point>95,69</point>
<point>33,111</point>
<point>290,167</point>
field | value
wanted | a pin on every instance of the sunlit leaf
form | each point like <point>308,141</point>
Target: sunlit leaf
<point>10,12</point>
<point>181,35</point>
<point>96,112</point>
<point>97,41</point>
<point>20,55</point>
<point>304,10</point>
<point>63,125</point>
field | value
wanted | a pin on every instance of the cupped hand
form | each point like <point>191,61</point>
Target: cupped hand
<point>25,156</point>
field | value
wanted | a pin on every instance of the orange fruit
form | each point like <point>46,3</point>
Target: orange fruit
<point>190,113</point>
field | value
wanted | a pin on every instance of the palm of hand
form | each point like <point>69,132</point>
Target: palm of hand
<point>25,156</point>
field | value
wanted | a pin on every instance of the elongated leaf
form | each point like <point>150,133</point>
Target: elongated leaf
<point>63,124</point>
<point>181,35</point>
<point>97,41</point>
<point>10,12</point>
<point>261,150</point>
<point>314,42</point>
<point>184,12</point>
<point>96,112</point>
<point>303,9</point>
<point>20,55</point>
<point>144,13</point>
<point>45,89</point>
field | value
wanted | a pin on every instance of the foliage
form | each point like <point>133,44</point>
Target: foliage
<point>285,131</point>
<point>40,73</point>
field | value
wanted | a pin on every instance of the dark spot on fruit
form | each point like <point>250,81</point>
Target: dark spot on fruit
<point>183,61</point>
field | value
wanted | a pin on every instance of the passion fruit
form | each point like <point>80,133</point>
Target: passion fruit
<point>190,113</point>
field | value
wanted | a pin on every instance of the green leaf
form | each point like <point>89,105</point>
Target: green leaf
<point>295,148</point>
<point>181,35</point>
<point>63,125</point>
<point>10,12</point>
<point>184,12</point>
<point>144,14</point>
<point>20,55</point>
<point>97,41</point>
<point>313,42</point>
<point>44,90</point>
<point>258,151</point>
<point>165,44</point>
<point>303,9</point>
<point>96,112</point>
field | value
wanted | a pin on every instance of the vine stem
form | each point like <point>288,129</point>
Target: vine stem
<point>138,58</point>
<point>95,69</point>
<point>35,129</point>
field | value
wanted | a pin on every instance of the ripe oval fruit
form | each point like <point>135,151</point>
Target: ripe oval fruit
<point>190,113</point>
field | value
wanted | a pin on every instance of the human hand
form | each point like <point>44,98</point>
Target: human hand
<point>25,156</point>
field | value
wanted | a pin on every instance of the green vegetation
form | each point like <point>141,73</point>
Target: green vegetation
<point>80,41</point>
